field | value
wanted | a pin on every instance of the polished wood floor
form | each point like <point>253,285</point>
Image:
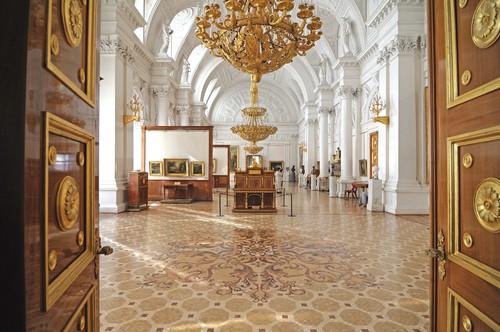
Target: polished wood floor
<point>333,267</point>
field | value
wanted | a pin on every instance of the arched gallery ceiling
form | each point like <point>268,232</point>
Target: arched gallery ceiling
<point>225,89</point>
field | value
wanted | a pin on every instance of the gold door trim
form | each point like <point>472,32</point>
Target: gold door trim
<point>89,305</point>
<point>87,90</point>
<point>52,290</point>
<point>478,268</point>
<point>454,322</point>
<point>453,77</point>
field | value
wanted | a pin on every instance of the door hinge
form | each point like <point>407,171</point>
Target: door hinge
<point>440,254</point>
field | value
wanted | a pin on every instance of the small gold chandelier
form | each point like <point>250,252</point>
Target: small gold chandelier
<point>254,129</point>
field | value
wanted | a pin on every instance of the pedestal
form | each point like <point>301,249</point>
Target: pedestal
<point>314,183</point>
<point>323,184</point>
<point>375,195</point>
<point>332,184</point>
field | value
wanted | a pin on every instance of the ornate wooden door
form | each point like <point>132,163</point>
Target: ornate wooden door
<point>373,152</point>
<point>60,167</point>
<point>465,136</point>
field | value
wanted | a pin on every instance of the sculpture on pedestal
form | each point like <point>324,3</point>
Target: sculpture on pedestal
<point>165,35</point>
<point>186,69</point>
<point>345,34</point>
<point>323,69</point>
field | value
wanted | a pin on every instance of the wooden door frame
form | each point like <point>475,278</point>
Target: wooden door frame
<point>370,169</point>
<point>14,33</point>
<point>432,162</point>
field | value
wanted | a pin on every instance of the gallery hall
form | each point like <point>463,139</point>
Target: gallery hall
<point>251,165</point>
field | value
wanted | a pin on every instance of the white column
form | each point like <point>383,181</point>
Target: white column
<point>357,133</point>
<point>183,115</point>
<point>323,141</point>
<point>331,132</point>
<point>161,94</point>
<point>346,134</point>
<point>310,145</point>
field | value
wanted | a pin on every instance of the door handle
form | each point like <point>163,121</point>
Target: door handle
<point>106,250</point>
<point>440,254</point>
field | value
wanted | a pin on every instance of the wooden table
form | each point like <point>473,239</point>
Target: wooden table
<point>172,193</point>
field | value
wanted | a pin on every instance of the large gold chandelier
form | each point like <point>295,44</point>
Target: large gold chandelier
<point>257,37</point>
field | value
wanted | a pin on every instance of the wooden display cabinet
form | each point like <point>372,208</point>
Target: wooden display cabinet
<point>137,191</point>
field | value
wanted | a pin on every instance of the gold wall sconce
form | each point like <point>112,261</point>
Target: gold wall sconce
<point>376,108</point>
<point>135,106</point>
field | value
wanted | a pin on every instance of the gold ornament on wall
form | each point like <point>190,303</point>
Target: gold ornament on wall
<point>81,323</point>
<point>72,18</point>
<point>485,27</point>
<point>462,3</point>
<point>487,204</point>
<point>376,107</point>
<point>68,203</point>
<point>80,238</point>
<point>81,75</point>
<point>468,241</point>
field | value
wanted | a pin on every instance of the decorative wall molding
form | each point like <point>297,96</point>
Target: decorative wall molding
<point>368,53</point>
<point>113,44</point>
<point>401,45</point>
<point>161,91</point>
<point>385,8</point>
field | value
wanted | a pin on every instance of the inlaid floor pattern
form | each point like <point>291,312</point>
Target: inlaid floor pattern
<point>334,267</point>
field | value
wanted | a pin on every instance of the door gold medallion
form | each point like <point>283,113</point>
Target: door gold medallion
<point>68,203</point>
<point>72,19</point>
<point>466,77</point>
<point>81,75</point>
<point>52,260</point>
<point>487,204</point>
<point>52,155</point>
<point>80,157</point>
<point>467,160</point>
<point>54,44</point>
<point>462,3</point>
<point>80,237</point>
<point>466,323</point>
<point>468,241</point>
<point>81,323</point>
<point>485,27</point>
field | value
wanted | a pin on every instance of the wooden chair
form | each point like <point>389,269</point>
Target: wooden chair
<point>351,191</point>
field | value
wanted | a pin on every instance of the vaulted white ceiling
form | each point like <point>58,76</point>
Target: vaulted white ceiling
<point>224,89</point>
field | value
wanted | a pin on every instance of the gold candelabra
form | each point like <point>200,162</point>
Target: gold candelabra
<point>257,37</point>
<point>135,106</point>
<point>376,108</point>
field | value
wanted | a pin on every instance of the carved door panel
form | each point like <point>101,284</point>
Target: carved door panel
<point>61,237</point>
<point>465,169</point>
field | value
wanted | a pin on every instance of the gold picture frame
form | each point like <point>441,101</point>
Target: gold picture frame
<point>176,167</point>
<point>156,168</point>
<point>276,165</point>
<point>198,168</point>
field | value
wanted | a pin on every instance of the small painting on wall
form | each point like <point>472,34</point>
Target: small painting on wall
<point>197,168</point>
<point>234,152</point>
<point>156,168</point>
<point>254,161</point>
<point>176,167</point>
<point>276,165</point>
<point>363,165</point>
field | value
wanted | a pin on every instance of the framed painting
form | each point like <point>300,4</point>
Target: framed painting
<point>198,168</point>
<point>176,167</point>
<point>234,152</point>
<point>363,166</point>
<point>254,161</point>
<point>156,168</point>
<point>276,165</point>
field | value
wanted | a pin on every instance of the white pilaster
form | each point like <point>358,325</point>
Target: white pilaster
<point>345,94</point>
<point>323,142</point>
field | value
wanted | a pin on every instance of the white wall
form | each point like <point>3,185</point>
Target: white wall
<point>178,144</point>
<point>220,154</point>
